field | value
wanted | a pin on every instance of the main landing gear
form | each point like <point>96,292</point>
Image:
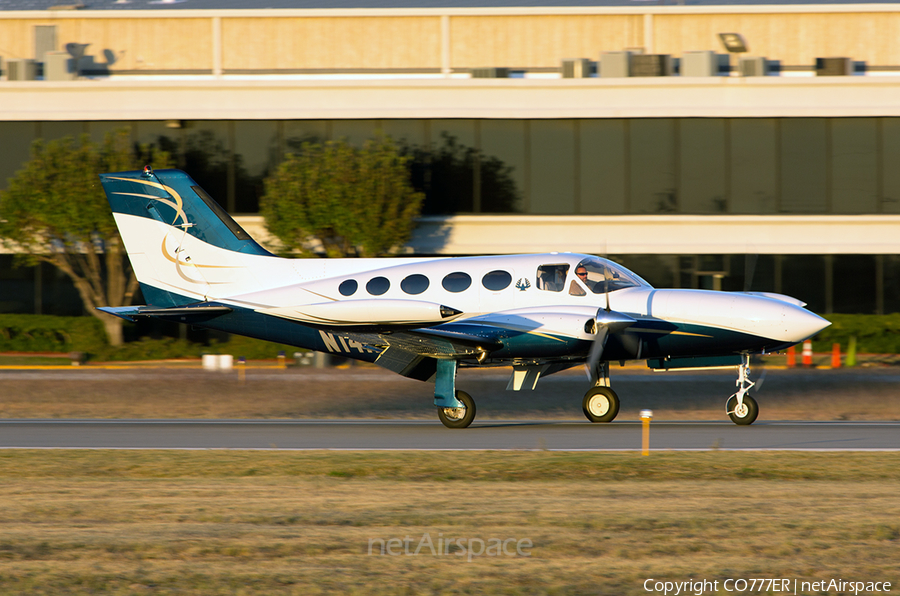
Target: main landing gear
<point>741,407</point>
<point>456,409</point>
<point>459,417</point>
<point>600,403</point>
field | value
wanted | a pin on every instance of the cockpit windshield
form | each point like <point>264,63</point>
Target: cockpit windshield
<point>600,275</point>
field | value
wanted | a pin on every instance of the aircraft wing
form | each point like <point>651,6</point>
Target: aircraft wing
<point>414,353</point>
<point>434,343</point>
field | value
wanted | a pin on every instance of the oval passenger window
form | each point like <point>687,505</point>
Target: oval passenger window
<point>456,282</point>
<point>414,284</point>
<point>378,286</point>
<point>496,280</point>
<point>348,287</point>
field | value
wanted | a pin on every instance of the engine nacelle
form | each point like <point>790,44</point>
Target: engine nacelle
<point>367,312</point>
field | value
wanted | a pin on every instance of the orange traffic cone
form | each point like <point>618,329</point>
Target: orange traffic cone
<point>791,357</point>
<point>807,353</point>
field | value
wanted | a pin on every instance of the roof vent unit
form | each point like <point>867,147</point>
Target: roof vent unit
<point>21,69</point>
<point>651,65</point>
<point>59,66</point>
<point>576,68</point>
<point>492,72</point>
<point>753,66</point>
<point>615,64</point>
<point>834,67</point>
<point>703,63</point>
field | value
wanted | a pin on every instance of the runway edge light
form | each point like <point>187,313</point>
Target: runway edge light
<point>646,416</point>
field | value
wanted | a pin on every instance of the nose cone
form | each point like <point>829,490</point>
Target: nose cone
<point>762,316</point>
<point>803,324</point>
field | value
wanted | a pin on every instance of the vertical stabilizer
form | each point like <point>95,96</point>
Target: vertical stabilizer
<point>183,246</point>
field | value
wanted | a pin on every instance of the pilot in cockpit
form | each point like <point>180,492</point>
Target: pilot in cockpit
<point>582,274</point>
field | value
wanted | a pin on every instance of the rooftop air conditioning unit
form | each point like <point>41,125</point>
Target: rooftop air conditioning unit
<point>834,67</point>
<point>700,64</point>
<point>576,68</point>
<point>59,66</point>
<point>490,73</point>
<point>753,66</point>
<point>651,65</point>
<point>615,64</point>
<point>21,69</point>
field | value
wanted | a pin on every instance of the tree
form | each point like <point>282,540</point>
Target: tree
<point>55,211</point>
<point>344,201</point>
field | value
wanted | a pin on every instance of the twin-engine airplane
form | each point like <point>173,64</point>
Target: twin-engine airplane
<point>424,318</point>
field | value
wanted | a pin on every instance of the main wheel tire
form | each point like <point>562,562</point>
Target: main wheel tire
<point>745,415</point>
<point>600,404</point>
<point>458,417</point>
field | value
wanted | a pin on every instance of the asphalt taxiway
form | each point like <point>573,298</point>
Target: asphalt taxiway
<point>431,435</point>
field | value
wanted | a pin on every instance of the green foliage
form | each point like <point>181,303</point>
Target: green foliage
<point>45,333</point>
<point>170,349</point>
<point>352,201</point>
<point>55,211</point>
<point>56,200</point>
<point>50,334</point>
<point>875,334</point>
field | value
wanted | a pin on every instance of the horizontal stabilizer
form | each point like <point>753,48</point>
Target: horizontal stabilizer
<point>192,312</point>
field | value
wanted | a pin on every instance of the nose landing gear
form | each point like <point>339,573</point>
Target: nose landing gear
<point>741,407</point>
<point>600,403</point>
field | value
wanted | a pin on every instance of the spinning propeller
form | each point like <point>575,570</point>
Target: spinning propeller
<point>605,322</point>
<point>749,271</point>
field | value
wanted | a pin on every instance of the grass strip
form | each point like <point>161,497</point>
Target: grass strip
<point>274,522</point>
<point>490,466</point>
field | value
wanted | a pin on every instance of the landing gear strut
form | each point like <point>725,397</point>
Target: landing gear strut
<point>600,403</point>
<point>456,409</point>
<point>741,407</point>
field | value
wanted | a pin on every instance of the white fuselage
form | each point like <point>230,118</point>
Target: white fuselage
<point>306,289</point>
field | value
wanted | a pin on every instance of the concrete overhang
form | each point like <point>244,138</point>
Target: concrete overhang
<point>256,99</point>
<point>646,234</point>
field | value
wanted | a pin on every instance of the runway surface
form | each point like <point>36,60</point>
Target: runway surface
<point>426,435</point>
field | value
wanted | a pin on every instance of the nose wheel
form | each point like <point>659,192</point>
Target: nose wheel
<point>741,407</point>
<point>743,413</point>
